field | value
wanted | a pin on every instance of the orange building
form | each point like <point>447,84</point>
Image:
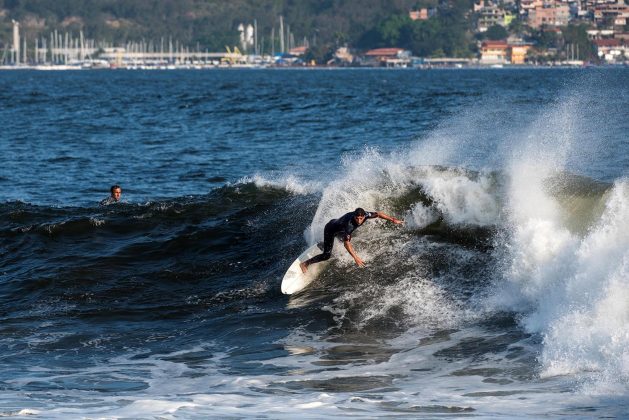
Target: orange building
<point>517,53</point>
<point>493,52</point>
<point>500,52</point>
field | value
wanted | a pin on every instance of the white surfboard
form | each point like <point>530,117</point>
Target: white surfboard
<point>294,280</point>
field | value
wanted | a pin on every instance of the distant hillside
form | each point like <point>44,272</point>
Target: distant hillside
<point>211,24</point>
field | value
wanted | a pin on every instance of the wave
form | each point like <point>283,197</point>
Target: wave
<point>434,200</point>
<point>546,244</point>
<point>564,253</point>
<point>559,243</point>
<point>571,287</point>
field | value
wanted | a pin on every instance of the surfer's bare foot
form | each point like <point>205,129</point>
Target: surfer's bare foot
<point>303,267</point>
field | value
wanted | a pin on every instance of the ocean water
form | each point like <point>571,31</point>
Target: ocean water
<point>504,295</point>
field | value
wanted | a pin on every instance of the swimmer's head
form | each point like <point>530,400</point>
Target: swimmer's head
<point>116,192</point>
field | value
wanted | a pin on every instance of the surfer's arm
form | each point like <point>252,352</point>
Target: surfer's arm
<point>350,249</point>
<point>381,215</point>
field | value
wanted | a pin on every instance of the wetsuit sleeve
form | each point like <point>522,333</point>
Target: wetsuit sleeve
<point>347,236</point>
<point>371,214</point>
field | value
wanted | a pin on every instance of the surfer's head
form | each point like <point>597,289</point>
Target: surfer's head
<point>116,192</point>
<point>359,215</point>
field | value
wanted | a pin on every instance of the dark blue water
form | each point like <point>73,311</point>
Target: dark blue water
<point>504,290</point>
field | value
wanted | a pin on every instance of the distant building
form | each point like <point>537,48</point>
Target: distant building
<point>387,57</point>
<point>490,16</point>
<point>501,52</point>
<point>599,34</point>
<point>298,51</point>
<point>528,5</point>
<point>518,53</point>
<point>608,15</point>
<point>422,14</point>
<point>623,37</point>
<point>550,14</point>
<point>611,50</point>
<point>494,52</point>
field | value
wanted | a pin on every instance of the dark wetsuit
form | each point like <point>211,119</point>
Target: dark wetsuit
<point>107,201</point>
<point>341,228</point>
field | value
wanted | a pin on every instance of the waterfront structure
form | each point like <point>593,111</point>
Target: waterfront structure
<point>611,50</point>
<point>518,53</point>
<point>387,57</point>
<point>502,52</point>
<point>494,52</point>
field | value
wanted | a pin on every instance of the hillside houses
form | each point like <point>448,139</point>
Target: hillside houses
<point>607,21</point>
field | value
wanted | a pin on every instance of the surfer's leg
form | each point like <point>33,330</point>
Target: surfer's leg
<point>328,244</point>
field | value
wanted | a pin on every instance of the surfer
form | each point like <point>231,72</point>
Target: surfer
<point>116,192</point>
<point>343,228</point>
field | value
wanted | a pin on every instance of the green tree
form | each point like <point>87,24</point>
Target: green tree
<point>425,38</point>
<point>391,29</point>
<point>545,39</point>
<point>496,33</point>
<point>577,38</point>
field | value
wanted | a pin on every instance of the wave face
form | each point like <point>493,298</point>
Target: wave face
<point>506,290</point>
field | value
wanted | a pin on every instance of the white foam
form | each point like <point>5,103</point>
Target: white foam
<point>414,300</point>
<point>421,216</point>
<point>591,329</point>
<point>462,200</point>
<point>96,222</point>
<point>289,183</point>
<point>373,181</point>
<point>572,288</point>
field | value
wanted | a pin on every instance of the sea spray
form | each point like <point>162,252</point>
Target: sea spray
<point>590,330</point>
<point>369,182</point>
<point>377,182</point>
<point>566,272</point>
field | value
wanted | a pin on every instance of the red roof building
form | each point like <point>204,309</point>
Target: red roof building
<point>389,57</point>
<point>384,52</point>
<point>298,51</point>
<point>494,52</point>
<point>613,42</point>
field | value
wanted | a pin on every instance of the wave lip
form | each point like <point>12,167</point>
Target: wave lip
<point>289,183</point>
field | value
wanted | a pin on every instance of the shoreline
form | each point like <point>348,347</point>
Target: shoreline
<point>47,68</point>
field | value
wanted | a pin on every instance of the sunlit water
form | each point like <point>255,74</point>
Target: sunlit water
<point>505,294</point>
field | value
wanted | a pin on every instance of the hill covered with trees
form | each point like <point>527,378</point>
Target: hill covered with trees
<point>213,24</point>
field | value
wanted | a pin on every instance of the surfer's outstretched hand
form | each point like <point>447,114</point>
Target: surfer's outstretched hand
<point>389,218</point>
<point>359,262</point>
